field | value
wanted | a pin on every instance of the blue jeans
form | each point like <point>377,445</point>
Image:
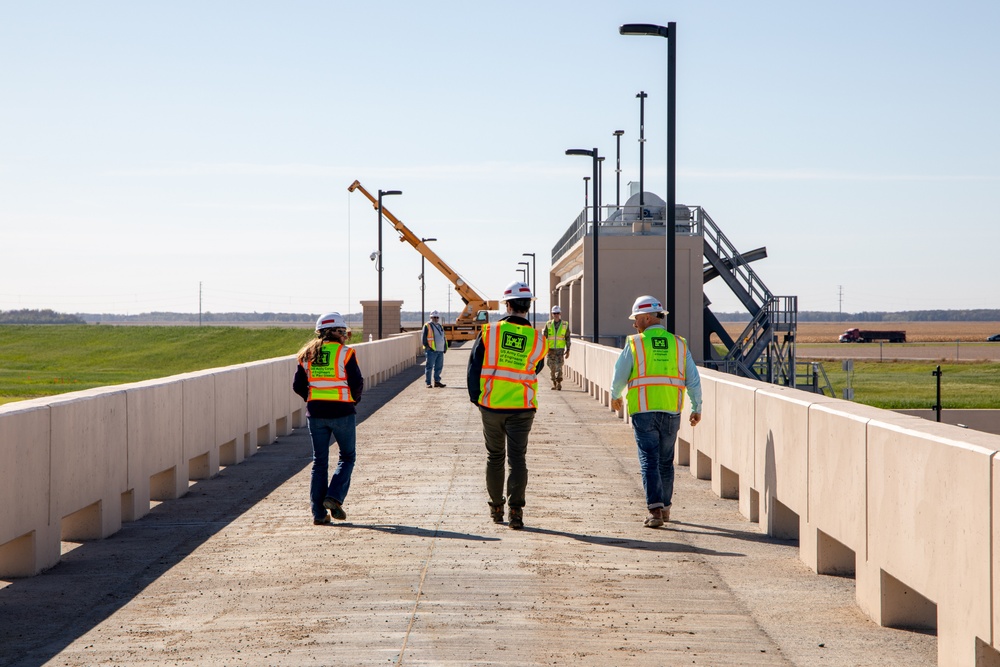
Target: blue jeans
<point>655,434</point>
<point>324,432</point>
<point>435,362</point>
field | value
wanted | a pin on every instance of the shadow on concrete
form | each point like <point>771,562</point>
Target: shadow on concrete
<point>664,546</point>
<point>42,615</point>
<point>746,535</point>
<point>414,531</point>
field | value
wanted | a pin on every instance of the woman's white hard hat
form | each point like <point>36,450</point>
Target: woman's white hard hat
<point>331,321</point>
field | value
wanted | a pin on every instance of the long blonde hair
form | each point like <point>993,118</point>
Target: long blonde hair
<point>310,351</point>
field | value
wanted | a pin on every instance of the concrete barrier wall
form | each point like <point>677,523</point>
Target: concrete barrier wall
<point>904,505</point>
<point>75,466</point>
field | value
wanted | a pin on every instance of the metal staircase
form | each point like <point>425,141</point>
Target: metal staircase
<point>765,350</point>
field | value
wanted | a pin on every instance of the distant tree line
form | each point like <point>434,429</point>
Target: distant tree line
<point>47,316</point>
<point>26,316</point>
<point>205,317</point>
<point>978,315</point>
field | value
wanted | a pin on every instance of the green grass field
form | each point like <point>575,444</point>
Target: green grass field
<point>910,385</point>
<point>44,360</point>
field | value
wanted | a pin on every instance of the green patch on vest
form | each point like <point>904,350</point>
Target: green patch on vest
<point>659,343</point>
<point>323,359</point>
<point>513,341</point>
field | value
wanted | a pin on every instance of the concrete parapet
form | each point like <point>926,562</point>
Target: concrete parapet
<point>906,505</point>
<point>75,466</point>
<point>89,470</point>
<point>157,469</point>
<point>29,542</point>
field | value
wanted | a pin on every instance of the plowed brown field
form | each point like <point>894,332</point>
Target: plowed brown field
<point>916,332</point>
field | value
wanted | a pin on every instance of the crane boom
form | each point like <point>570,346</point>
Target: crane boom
<point>476,307</point>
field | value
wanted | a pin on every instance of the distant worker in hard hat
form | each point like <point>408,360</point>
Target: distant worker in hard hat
<point>653,372</point>
<point>329,379</point>
<point>502,380</point>
<point>557,338</point>
<point>435,345</point>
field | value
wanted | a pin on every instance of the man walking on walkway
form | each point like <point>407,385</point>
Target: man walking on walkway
<point>502,380</point>
<point>655,368</point>
<point>435,345</point>
<point>557,338</point>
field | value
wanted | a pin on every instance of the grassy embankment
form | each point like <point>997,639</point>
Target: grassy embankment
<point>910,385</point>
<point>47,360</point>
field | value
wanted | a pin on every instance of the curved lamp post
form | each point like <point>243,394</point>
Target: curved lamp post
<point>534,287</point>
<point>594,157</point>
<point>669,32</point>
<point>381,262</point>
<point>422,318</point>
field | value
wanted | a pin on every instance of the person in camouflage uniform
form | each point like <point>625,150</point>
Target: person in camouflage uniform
<point>557,336</point>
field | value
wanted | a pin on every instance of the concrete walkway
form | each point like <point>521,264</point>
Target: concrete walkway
<point>235,573</point>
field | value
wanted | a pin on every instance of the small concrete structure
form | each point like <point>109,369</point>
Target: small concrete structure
<point>391,318</point>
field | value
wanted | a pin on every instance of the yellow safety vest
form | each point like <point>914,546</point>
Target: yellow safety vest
<point>511,353</point>
<point>328,374</point>
<point>657,380</point>
<point>430,338</point>
<point>555,334</point>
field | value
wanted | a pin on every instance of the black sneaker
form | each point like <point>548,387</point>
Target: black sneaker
<point>516,520</point>
<point>429,385</point>
<point>335,509</point>
<point>440,384</point>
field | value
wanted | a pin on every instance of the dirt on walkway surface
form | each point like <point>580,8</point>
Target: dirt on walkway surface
<point>235,573</point>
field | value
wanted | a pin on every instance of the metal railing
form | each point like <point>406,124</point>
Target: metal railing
<point>619,220</point>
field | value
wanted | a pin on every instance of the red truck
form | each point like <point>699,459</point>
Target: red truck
<point>866,336</point>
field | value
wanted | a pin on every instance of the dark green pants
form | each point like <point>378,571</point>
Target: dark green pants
<point>507,437</point>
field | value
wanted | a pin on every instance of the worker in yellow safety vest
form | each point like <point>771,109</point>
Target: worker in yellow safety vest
<point>329,379</point>
<point>653,372</point>
<point>557,337</point>
<point>502,380</point>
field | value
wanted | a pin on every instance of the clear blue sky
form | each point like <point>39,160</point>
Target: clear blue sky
<point>147,147</point>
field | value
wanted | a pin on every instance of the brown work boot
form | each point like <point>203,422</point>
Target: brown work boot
<point>496,512</point>
<point>655,518</point>
<point>516,520</point>
<point>665,514</point>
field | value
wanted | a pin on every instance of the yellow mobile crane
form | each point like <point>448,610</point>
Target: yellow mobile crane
<point>477,309</point>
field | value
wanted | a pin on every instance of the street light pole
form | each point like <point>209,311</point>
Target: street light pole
<point>642,153</point>
<point>600,184</point>
<point>618,169</point>
<point>381,259</point>
<point>534,286</point>
<point>422,284</point>
<point>669,32</point>
<point>594,157</point>
<point>586,189</point>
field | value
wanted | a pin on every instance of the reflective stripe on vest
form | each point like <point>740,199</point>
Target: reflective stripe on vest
<point>657,379</point>
<point>511,353</point>
<point>555,334</point>
<point>328,374</point>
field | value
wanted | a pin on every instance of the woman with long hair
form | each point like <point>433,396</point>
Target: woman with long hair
<point>329,379</point>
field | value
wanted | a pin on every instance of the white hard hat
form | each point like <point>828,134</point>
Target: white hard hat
<point>435,313</point>
<point>646,304</point>
<point>556,309</point>
<point>517,290</point>
<point>331,321</point>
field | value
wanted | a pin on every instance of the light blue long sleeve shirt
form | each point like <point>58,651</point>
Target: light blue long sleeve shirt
<point>623,370</point>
